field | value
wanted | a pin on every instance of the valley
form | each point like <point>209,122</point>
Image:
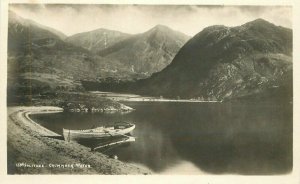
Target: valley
<point>219,101</point>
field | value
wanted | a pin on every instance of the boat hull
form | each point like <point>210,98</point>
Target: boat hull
<point>90,134</point>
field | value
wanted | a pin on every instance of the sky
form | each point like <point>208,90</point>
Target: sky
<point>72,19</point>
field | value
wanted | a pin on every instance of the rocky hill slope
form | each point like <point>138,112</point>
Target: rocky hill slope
<point>40,61</point>
<point>227,62</point>
<point>147,52</point>
<point>97,40</point>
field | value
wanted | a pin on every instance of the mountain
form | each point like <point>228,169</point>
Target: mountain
<point>227,62</point>
<point>97,40</point>
<point>41,56</point>
<point>147,52</point>
<point>39,60</point>
<point>15,20</point>
<point>40,50</point>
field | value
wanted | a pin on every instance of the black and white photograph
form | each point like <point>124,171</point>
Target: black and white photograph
<point>149,89</point>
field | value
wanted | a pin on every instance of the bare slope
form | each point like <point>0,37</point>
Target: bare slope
<point>147,52</point>
<point>227,62</point>
<point>97,40</point>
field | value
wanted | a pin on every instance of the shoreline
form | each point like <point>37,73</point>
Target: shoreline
<point>33,149</point>
<point>166,100</point>
<point>126,97</point>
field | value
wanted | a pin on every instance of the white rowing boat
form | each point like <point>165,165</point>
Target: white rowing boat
<point>119,129</point>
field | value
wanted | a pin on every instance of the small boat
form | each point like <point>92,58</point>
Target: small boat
<point>118,129</point>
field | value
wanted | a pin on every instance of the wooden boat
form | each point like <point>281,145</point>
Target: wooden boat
<point>119,129</point>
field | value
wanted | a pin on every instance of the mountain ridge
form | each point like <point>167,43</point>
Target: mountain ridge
<point>147,52</point>
<point>14,18</point>
<point>40,60</point>
<point>225,62</point>
<point>98,39</point>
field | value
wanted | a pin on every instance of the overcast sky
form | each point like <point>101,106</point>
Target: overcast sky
<point>71,19</point>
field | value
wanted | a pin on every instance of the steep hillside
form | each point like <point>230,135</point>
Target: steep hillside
<point>226,62</point>
<point>146,53</point>
<point>15,21</point>
<point>97,40</point>
<point>38,60</point>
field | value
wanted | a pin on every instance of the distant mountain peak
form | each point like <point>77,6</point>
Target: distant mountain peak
<point>258,22</point>
<point>160,28</point>
<point>14,18</point>
<point>101,30</point>
<point>98,39</point>
<point>147,52</point>
<point>215,27</point>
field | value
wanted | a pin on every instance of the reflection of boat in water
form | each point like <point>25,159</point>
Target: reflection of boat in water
<point>118,129</point>
<point>107,143</point>
<point>122,141</point>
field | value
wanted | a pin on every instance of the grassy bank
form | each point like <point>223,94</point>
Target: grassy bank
<point>33,149</point>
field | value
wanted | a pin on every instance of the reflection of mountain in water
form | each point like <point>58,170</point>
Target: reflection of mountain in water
<point>238,138</point>
<point>217,138</point>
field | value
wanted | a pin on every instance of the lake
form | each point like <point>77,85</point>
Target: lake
<point>197,138</point>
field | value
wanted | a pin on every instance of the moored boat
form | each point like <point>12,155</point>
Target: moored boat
<point>118,129</point>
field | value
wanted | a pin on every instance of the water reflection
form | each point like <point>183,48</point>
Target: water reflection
<point>216,138</point>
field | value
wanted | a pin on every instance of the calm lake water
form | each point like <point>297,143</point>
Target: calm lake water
<point>197,138</point>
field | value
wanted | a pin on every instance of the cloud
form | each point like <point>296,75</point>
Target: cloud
<point>188,19</point>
